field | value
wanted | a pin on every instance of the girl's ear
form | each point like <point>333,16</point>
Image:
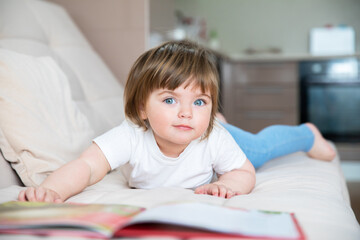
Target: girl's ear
<point>143,112</point>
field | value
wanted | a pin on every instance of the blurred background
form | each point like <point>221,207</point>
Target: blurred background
<point>259,24</point>
<point>280,61</point>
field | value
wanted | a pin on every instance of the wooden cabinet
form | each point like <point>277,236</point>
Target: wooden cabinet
<point>257,94</point>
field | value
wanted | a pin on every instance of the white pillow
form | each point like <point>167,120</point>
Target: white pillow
<point>41,127</point>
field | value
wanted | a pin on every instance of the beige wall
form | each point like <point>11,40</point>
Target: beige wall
<point>117,29</point>
<point>271,23</point>
<point>162,17</point>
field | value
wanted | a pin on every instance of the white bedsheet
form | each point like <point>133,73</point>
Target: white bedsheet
<point>314,190</point>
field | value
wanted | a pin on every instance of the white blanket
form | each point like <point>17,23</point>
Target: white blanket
<point>314,190</point>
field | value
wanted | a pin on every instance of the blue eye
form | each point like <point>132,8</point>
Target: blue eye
<point>199,102</point>
<point>169,101</point>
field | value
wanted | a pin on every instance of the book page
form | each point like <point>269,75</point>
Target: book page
<point>252,223</point>
<point>90,220</point>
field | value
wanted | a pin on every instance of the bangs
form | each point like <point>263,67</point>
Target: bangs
<point>198,81</point>
<point>185,67</point>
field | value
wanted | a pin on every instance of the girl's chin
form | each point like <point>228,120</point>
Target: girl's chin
<point>183,141</point>
<point>179,139</point>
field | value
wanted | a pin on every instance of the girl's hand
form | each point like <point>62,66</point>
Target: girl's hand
<point>216,190</point>
<point>39,194</point>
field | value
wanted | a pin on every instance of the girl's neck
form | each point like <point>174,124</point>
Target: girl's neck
<point>170,149</point>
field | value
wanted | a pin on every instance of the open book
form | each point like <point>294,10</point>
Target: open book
<point>189,219</point>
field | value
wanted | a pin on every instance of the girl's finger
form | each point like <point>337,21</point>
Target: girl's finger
<point>21,196</point>
<point>222,191</point>
<point>214,190</point>
<point>30,194</point>
<point>40,194</point>
<point>58,200</point>
<point>229,194</point>
<point>199,190</point>
<point>48,197</point>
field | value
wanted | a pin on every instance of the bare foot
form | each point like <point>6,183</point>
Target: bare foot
<point>321,149</point>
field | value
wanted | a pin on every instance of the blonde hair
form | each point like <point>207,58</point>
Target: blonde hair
<point>169,66</point>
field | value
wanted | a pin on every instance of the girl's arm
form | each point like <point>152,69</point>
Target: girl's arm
<point>235,182</point>
<point>71,178</point>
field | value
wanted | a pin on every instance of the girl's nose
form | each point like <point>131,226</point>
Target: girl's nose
<point>185,112</point>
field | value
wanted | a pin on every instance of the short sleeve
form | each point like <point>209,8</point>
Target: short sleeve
<point>116,145</point>
<point>229,155</point>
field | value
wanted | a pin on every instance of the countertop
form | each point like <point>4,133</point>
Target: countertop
<point>279,57</point>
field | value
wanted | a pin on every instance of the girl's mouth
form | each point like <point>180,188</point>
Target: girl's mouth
<point>183,127</point>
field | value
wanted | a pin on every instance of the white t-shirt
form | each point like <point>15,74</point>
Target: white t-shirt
<point>150,168</point>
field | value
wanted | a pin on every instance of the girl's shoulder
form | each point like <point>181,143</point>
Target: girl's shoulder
<point>218,130</point>
<point>126,129</point>
<point>130,126</point>
<point>221,137</point>
<point>218,136</point>
<point>135,133</point>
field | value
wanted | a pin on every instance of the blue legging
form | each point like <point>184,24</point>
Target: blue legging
<point>272,142</point>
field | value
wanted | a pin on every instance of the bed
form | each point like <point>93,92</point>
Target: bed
<point>56,94</point>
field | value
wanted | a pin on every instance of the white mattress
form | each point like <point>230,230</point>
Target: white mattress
<point>314,190</point>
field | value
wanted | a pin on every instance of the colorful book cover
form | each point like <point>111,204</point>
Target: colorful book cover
<point>190,219</point>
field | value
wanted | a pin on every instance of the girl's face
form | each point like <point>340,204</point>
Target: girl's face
<point>177,117</point>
